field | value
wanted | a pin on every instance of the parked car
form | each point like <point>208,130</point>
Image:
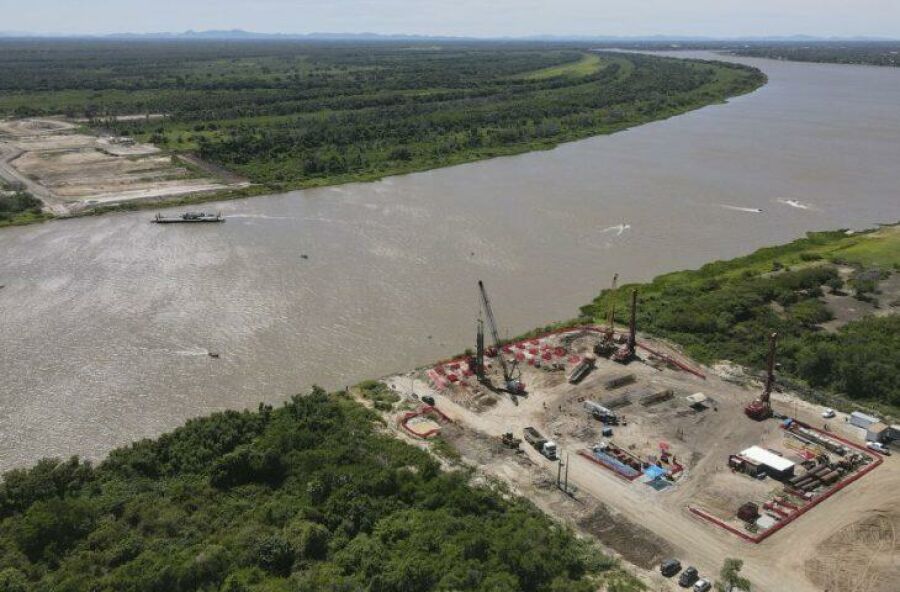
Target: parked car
<point>670,567</point>
<point>879,447</point>
<point>688,577</point>
<point>828,413</point>
<point>702,585</point>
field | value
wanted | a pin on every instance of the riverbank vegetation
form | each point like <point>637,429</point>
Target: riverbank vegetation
<point>727,309</point>
<point>290,114</point>
<point>19,207</point>
<point>311,496</point>
<point>872,53</point>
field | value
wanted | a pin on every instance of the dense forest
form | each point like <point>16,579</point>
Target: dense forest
<point>874,53</point>
<point>311,496</point>
<point>291,114</point>
<point>727,309</point>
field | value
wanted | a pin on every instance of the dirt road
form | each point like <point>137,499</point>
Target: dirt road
<point>775,565</point>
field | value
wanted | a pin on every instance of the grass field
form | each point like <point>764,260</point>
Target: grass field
<point>587,65</point>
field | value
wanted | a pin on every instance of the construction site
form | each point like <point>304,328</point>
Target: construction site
<point>626,439</point>
<point>70,170</point>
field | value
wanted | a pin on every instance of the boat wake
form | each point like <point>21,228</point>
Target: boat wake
<point>197,351</point>
<point>794,204</point>
<point>619,229</point>
<point>260,217</point>
<point>740,209</point>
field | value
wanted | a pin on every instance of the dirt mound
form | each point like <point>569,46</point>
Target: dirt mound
<point>862,557</point>
<point>635,543</point>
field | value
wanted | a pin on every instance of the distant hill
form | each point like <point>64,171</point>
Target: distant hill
<point>240,34</point>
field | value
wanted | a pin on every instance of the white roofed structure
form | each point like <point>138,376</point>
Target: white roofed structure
<point>762,456</point>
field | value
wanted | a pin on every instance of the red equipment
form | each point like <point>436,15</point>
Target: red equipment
<point>761,408</point>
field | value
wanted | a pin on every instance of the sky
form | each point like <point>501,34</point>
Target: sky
<point>478,18</point>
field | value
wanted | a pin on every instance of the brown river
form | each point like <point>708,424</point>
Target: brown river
<point>105,323</point>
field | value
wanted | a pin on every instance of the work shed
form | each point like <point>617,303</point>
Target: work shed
<point>861,420</point>
<point>775,466</point>
<point>878,432</point>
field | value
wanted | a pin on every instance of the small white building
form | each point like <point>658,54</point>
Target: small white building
<point>861,420</point>
<point>776,466</point>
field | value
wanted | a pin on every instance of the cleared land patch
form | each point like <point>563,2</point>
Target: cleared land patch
<point>587,65</point>
<point>70,170</point>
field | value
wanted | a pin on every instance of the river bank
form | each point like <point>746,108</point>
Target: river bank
<point>108,319</point>
<point>722,82</point>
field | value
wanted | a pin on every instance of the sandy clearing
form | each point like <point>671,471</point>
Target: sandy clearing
<point>777,564</point>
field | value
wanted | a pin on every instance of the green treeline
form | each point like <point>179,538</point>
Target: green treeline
<point>19,207</point>
<point>727,309</point>
<point>288,114</point>
<point>312,496</point>
<point>874,53</point>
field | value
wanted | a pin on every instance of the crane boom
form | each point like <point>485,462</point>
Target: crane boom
<point>611,317</point>
<point>512,385</point>
<point>761,408</point>
<point>492,324</point>
<point>770,369</point>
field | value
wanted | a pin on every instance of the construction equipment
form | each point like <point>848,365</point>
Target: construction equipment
<point>607,344</point>
<point>581,370</point>
<point>601,413</point>
<point>540,443</point>
<point>510,441</point>
<point>761,408</point>
<point>477,363</point>
<point>627,352</point>
<point>511,382</point>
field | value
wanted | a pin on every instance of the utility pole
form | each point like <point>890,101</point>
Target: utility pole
<point>559,464</point>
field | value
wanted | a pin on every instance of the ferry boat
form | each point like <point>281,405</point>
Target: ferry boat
<point>188,217</point>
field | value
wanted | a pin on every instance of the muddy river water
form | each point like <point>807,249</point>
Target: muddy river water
<point>105,323</point>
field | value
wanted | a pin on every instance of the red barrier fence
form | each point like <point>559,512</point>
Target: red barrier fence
<point>592,329</point>
<point>876,462</point>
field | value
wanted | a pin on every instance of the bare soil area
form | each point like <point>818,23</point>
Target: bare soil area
<point>70,171</point>
<point>861,557</point>
<point>643,521</point>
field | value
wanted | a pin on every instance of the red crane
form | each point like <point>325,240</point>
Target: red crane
<point>628,351</point>
<point>761,408</point>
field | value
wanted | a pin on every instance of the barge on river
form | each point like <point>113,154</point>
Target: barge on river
<point>188,217</point>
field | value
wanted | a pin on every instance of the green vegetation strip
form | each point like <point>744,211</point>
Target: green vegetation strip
<point>309,497</point>
<point>726,310</point>
<point>18,208</point>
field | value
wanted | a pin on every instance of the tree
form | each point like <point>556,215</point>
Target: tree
<point>731,578</point>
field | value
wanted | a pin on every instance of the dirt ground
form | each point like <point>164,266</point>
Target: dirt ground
<point>863,556</point>
<point>846,308</point>
<point>632,519</point>
<point>70,171</point>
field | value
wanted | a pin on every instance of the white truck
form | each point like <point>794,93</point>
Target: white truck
<point>540,443</point>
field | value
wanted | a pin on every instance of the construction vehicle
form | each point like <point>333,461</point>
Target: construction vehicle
<point>510,441</point>
<point>601,413</point>
<point>540,443</point>
<point>628,351</point>
<point>761,408</point>
<point>607,344</point>
<point>511,381</point>
<point>582,369</point>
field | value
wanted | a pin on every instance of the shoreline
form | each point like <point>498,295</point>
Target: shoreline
<point>259,190</point>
